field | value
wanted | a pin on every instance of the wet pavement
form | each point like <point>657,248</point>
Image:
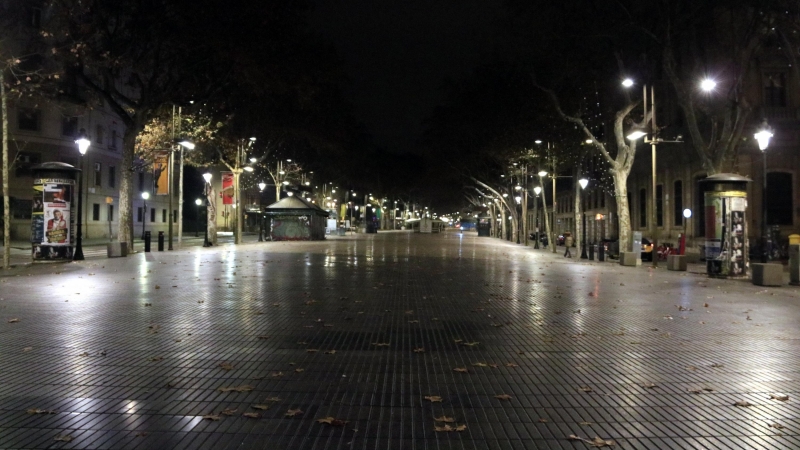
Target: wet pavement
<point>392,341</point>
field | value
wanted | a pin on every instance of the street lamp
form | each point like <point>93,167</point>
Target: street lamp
<point>537,190</point>
<point>197,202</point>
<point>145,196</point>
<point>583,182</point>
<point>182,143</point>
<point>687,213</point>
<point>207,191</point>
<point>261,187</point>
<point>83,147</point>
<point>763,137</point>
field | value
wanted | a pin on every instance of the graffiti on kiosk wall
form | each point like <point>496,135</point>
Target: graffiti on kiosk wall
<point>290,228</point>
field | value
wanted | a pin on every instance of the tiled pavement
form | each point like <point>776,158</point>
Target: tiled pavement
<point>129,353</point>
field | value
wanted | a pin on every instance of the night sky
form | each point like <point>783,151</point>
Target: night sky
<point>397,54</point>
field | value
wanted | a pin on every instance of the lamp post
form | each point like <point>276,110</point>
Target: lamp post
<point>197,202</point>
<point>145,196</point>
<point>763,137</point>
<point>536,190</point>
<point>261,187</point>
<point>83,147</point>
<point>237,171</point>
<point>687,213</point>
<point>583,183</point>
<point>206,191</point>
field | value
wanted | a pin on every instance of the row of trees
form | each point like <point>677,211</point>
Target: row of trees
<point>557,79</point>
<point>236,70</point>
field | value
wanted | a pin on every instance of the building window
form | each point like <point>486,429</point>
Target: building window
<point>24,162</point>
<point>110,213</point>
<point>69,126</point>
<point>35,19</point>
<point>174,215</point>
<point>602,199</point>
<point>99,134</point>
<point>643,208</point>
<point>96,211</point>
<point>98,174</point>
<point>660,205</point>
<point>112,176</point>
<point>164,215</point>
<point>20,208</point>
<point>28,119</point>
<point>113,143</point>
<point>779,198</point>
<point>775,89</point>
<point>677,202</point>
<point>152,214</point>
<point>139,214</point>
<point>141,181</point>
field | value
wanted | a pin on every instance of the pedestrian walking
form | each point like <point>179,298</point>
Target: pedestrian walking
<point>568,244</point>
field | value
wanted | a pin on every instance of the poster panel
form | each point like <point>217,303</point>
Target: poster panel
<point>227,188</point>
<point>51,219</point>
<point>161,173</point>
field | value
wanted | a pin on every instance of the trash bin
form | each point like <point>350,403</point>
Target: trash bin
<point>794,239</point>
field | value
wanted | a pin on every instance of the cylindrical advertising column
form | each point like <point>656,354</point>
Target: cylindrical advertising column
<point>725,204</point>
<point>54,211</point>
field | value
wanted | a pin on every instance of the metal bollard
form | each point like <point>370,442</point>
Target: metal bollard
<point>591,252</point>
<point>601,252</point>
<point>146,241</point>
<point>161,241</point>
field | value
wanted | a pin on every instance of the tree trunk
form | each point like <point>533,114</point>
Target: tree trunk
<point>125,224</point>
<point>623,209</point>
<point>6,171</point>
<point>550,240</point>
<point>211,215</point>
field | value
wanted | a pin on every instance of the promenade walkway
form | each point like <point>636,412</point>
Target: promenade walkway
<point>393,341</point>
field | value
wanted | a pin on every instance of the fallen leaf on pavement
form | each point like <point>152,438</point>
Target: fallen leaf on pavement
<point>470,344</point>
<point>649,386</point>
<point>229,411</point>
<point>41,411</point>
<point>777,426</point>
<point>419,350</point>
<point>543,420</point>
<point>157,358</point>
<point>585,389</point>
<point>330,352</point>
<point>14,320</point>
<point>433,398</point>
<point>461,370</point>
<point>503,397</point>
<point>242,388</point>
<point>743,403</point>
<point>311,350</point>
<point>261,407</point>
<point>511,365</point>
<point>779,397</point>
<point>444,419</point>
<point>274,399</point>
<point>252,415</point>
<point>380,344</point>
<point>480,364</point>
<point>293,413</point>
<point>226,366</point>
<point>64,438</point>
<point>332,421</point>
<point>213,417</point>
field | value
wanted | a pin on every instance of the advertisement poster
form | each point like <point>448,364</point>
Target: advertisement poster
<point>227,188</point>
<point>51,219</point>
<point>737,242</point>
<point>161,173</point>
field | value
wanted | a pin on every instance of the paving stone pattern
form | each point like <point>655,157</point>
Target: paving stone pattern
<point>134,352</point>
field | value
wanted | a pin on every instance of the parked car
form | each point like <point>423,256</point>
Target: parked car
<point>542,238</point>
